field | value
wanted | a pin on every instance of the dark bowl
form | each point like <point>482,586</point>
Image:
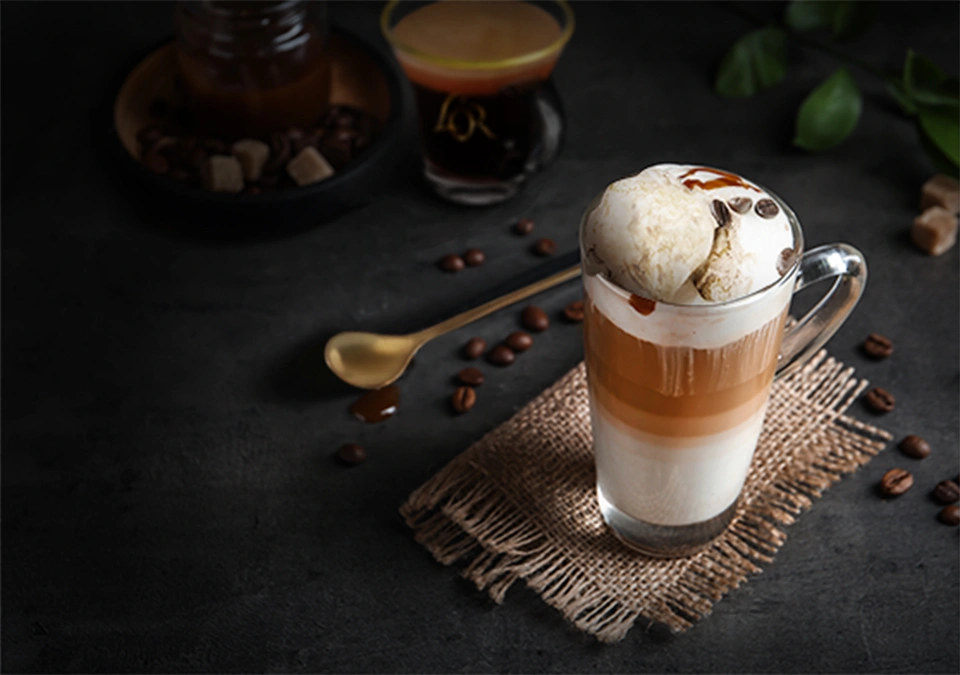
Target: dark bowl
<point>362,77</point>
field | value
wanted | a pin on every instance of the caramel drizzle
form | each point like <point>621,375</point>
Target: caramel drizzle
<point>725,180</point>
<point>642,305</point>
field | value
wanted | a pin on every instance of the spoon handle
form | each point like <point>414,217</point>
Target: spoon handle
<point>524,285</point>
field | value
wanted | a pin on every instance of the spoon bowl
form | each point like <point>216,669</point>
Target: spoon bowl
<point>370,360</point>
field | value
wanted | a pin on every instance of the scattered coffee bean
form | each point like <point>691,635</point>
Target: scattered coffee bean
<point>877,346</point>
<point>880,400</point>
<point>474,257</point>
<point>574,311</point>
<point>950,515</point>
<point>895,482</point>
<point>535,319</point>
<point>337,150</point>
<point>786,260</point>
<point>740,204</point>
<point>523,227</point>
<point>914,446</point>
<point>501,355</point>
<point>720,212</point>
<point>947,492</point>
<point>351,454</point>
<point>279,153</point>
<point>470,376</point>
<point>313,139</point>
<point>451,263</point>
<point>344,134</point>
<point>767,208</point>
<point>474,348</point>
<point>463,399</point>
<point>518,341</point>
<point>545,247</point>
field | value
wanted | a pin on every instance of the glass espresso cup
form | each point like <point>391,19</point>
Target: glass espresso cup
<point>678,392</point>
<point>488,113</point>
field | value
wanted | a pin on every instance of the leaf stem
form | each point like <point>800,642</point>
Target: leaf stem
<point>816,44</point>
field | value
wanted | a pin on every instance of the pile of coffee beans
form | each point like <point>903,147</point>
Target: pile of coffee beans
<point>898,481</point>
<point>453,263</point>
<point>505,353</point>
<point>175,147</point>
<point>532,318</point>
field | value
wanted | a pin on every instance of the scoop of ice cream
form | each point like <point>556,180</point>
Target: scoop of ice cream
<point>649,233</point>
<point>752,250</point>
<point>673,232</point>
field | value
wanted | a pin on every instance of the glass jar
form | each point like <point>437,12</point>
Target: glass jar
<point>250,68</point>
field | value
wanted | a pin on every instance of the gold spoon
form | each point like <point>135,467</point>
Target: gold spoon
<point>372,361</point>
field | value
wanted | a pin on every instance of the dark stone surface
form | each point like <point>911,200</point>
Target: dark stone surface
<point>171,500</point>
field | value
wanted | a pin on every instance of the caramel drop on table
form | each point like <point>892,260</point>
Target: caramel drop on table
<point>377,405</point>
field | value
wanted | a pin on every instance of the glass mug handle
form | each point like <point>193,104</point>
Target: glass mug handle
<point>805,338</point>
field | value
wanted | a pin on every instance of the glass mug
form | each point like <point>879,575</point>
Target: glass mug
<point>678,392</point>
<point>490,116</point>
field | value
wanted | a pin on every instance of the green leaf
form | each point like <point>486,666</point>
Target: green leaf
<point>845,19</point>
<point>756,61</point>
<point>899,94</point>
<point>943,129</point>
<point>807,15</point>
<point>940,161</point>
<point>927,85</point>
<point>829,114</point>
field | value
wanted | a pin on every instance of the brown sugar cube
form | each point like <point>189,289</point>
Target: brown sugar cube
<point>942,191</point>
<point>252,154</point>
<point>309,167</point>
<point>934,231</point>
<point>223,173</point>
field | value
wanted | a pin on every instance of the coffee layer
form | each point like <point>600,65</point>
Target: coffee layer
<point>676,390</point>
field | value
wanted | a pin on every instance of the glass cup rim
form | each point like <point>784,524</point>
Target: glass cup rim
<point>744,299</point>
<point>463,64</point>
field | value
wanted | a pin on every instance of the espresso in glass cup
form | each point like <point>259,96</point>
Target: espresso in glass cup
<point>688,277</point>
<point>480,72</point>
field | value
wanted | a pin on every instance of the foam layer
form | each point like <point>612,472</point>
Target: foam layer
<point>696,325</point>
<point>687,234</point>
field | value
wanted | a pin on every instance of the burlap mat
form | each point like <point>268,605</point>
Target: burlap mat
<point>521,504</point>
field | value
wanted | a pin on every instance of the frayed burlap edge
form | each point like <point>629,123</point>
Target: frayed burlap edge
<point>461,515</point>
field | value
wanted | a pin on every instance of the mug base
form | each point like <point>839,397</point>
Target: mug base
<point>471,192</point>
<point>664,541</point>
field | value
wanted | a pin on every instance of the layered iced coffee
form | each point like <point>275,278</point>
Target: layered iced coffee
<point>688,277</point>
